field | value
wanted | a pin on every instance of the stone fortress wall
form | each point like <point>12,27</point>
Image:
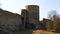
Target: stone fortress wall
<point>31,14</point>
<point>10,22</point>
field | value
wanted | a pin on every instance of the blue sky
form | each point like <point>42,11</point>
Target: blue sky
<point>48,5</point>
<point>15,6</point>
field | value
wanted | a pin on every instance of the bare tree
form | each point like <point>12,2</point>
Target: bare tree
<point>52,15</point>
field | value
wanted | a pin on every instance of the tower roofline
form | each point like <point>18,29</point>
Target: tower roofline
<point>32,5</point>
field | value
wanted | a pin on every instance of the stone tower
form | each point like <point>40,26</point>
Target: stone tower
<point>25,17</point>
<point>33,13</point>
<point>30,15</point>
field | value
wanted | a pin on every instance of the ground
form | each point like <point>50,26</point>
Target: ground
<point>32,32</point>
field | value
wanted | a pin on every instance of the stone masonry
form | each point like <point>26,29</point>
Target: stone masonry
<point>11,22</point>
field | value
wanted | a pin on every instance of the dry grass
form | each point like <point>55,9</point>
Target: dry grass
<point>43,32</point>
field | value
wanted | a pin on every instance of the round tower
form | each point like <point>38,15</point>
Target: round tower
<point>33,11</point>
